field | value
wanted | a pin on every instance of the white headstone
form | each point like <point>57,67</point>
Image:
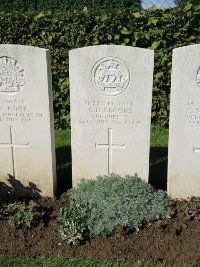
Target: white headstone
<point>184,130</point>
<point>27,152</point>
<point>111,94</point>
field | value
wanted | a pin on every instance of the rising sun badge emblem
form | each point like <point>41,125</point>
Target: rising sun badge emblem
<point>12,77</point>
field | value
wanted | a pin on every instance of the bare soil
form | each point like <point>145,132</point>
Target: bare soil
<point>175,240</point>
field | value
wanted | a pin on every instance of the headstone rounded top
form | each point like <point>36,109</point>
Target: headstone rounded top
<point>12,76</point>
<point>111,76</point>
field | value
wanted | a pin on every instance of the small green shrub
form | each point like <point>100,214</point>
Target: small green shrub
<point>20,214</point>
<point>2,209</point>
<point>73,226</point>
<point>114,200</point>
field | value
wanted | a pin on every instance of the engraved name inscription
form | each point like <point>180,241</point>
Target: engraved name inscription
<point>110,76</point>
<point>12,77</point>
<point>17,111</point>
<point>110,112</point>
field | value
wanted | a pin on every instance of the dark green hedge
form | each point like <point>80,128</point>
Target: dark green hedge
<point>161,30</point>
<point>184,2</point>
<point>60,5</point>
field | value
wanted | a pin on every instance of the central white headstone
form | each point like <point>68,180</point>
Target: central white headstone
<point>184,130</point>
<point>27,152</point>
<point>111,94</point>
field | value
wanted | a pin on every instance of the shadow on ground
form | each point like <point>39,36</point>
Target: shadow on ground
<point>13,188</point>
<point>158,167</point>
<point>64,169</point>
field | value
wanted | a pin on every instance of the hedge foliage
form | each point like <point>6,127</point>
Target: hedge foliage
<point>60,5</point>
<point>184,2</point>
<point>161,30</point>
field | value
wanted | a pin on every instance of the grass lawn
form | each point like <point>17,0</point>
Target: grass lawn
<point>42,262</point>
<point>158,158</point>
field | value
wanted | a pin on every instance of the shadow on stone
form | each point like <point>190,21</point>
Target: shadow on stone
<point>15,189</point>
<point>158,167</point>
<point>64,169</point>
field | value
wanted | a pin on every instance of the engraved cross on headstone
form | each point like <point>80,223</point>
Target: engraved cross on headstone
<point>110,146</point>
<point>196,150</point>
<point>13,145</point>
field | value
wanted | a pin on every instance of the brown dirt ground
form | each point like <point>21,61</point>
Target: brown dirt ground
<point>175,240</point>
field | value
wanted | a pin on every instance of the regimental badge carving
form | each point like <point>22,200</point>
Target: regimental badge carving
<point>12,77</point>
<point>110,76</point>
<point>198,77</point>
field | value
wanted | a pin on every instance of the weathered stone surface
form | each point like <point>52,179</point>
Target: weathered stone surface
<point>111,94</point>
<point>27,152</point>
<point>184,132</point>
